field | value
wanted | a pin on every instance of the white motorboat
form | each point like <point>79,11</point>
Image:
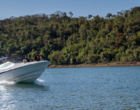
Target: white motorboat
<point>13,69</point>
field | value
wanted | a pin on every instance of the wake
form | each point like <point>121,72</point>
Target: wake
<point>39,81</point>
<point>7,82</point>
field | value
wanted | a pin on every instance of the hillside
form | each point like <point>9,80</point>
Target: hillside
<point>66,40</point>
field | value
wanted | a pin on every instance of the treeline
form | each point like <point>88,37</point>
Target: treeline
<point>64,39</point>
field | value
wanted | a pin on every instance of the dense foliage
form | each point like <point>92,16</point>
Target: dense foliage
<point>66,40</point>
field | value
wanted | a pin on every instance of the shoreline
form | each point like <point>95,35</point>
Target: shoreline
<point>97,65</point>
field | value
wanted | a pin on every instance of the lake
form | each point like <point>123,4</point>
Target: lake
<point>88,88</point>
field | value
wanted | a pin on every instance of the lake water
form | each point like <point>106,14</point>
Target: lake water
<point>88,88</point>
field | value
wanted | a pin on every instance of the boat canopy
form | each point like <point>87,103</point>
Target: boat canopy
<point>14,58</point>
<point>3,58</point>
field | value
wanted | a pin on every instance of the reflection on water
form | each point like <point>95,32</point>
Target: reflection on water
<point>112,88</point>
<point>29,86</point>
<point>13,95</point>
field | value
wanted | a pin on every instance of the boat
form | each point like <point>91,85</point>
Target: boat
<point>14,69</point>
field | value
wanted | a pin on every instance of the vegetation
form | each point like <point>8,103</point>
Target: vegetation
<point>66,40</point>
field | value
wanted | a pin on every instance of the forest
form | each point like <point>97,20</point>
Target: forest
<point>64,39</point>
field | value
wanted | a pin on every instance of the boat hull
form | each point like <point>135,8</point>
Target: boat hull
<point>27,73</point>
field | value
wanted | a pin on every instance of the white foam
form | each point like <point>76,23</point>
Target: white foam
<point>6,82</point>
<point>39,81</point>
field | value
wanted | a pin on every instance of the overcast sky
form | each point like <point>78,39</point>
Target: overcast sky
<point>18,8</point>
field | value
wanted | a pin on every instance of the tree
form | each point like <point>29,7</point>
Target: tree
<point>109,15</point>
<point>71,14</point>
<point>64,15</point>
<point>89,16</point>
<point>68,40</point>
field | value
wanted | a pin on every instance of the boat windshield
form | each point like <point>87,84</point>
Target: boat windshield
<point>14,58</point>
<point>6,65</point>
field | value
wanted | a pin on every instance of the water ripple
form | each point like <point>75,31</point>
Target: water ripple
<point>99,88</point>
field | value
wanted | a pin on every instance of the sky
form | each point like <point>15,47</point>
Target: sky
<point>18,8</point>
